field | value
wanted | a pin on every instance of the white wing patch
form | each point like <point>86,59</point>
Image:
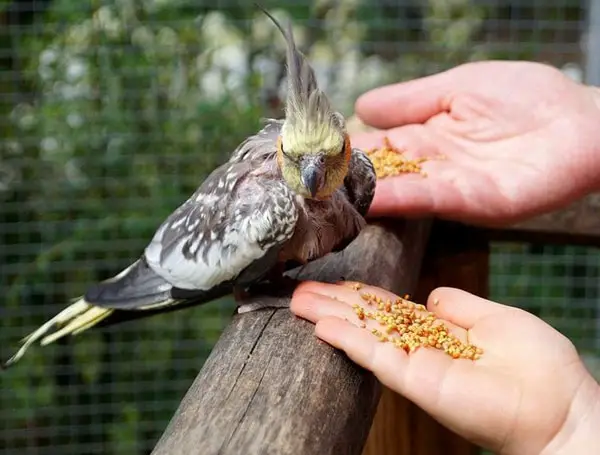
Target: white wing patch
<point>215,242</point>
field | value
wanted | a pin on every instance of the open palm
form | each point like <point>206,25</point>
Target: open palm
<point>519,139</point>
<point>517,398</point>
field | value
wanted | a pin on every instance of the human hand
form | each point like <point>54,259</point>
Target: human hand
<point>520,139</point>
<point>529,393</point>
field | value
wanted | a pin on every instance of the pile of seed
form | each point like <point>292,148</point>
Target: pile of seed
<point>389,160</point>
<point>410,326</point>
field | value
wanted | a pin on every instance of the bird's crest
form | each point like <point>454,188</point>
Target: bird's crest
<point>309,117</point>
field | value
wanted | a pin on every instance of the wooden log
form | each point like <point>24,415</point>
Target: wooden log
<point>271,387</point>
<point>580,219</point>
<point>456,256</point>
<point>577,224</point>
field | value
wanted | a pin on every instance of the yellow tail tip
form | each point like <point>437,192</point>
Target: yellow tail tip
<point>74,319</point>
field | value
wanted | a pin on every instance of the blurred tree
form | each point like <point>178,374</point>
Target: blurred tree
<point>111,113</point>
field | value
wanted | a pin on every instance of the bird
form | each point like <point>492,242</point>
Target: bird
<point>293,192</point>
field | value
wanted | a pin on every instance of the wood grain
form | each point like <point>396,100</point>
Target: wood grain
<point>271,387</point>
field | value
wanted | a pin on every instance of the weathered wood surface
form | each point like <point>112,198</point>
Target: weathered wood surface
<point>577,224</point>
<point>271,387</point>
<point>456,256</point>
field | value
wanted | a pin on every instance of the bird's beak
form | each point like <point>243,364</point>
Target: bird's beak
<point>312,174</point>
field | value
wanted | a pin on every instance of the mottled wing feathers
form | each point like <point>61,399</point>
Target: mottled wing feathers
<point>360,181</point>
<point>135,287</point>
<point>194,234</point>
<point>260,146</point>
<point>234,219</point>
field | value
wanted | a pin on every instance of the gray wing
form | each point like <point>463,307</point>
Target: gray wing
<point>234,219</point>
<point>261,146</point>
<point>136,287</point>
<point>203,229</point>
<point>360,181</point>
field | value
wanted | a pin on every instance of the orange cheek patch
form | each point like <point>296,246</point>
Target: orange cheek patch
<point>347,148</point>
<point>337,171</point>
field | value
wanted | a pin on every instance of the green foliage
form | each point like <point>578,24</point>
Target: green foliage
<point>113,113</point>
<point>125,127</point>
<point>451,26</point>
<point>552,283</point>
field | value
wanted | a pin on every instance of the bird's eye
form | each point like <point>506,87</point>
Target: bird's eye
<point>321,159</point>
<point>288,156</point>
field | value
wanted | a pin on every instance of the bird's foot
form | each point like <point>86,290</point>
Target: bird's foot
<point>241,297</point>
<point>240,294</point>
<point>266,304</point>
<point>273,294</point>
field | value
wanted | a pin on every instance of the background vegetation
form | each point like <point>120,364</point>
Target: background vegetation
<point>113,111</point>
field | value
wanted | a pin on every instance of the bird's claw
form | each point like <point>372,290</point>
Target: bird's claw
<point>266,295</point>
<point>263,305</point>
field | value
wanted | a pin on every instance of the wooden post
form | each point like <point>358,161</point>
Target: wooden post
<point>456,256</point>
<point>270,387</point>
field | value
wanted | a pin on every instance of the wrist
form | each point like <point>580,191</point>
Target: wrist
<point>580,433</point>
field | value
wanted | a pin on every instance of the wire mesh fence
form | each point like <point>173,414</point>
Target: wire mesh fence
<point>112,112</point>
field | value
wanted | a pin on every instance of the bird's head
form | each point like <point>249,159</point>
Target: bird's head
<point>313,155</point>
<point>313,150</point>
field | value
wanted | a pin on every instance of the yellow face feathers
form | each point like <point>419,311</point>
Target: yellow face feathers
<point>308,137</point>
<point>316,174</point>
<point>314,149</point>
<point>314,152</point>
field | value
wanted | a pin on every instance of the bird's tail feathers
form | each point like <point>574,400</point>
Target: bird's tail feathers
<point>74,319</point>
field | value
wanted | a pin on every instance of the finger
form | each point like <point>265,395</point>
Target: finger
<point>314,307</point>
<point>399,196</point>
<point>456,392</point>
<point>359,344</point>
<point>450,191</point>
<point>462,308</point>
<point>455,186</point>
<point>407,102</point>
<point>417,375</point>
<point>414,141</point>
<point>436,194</point>
<point>317,307</point>
<point>315,301</point>
<point>345,293</point>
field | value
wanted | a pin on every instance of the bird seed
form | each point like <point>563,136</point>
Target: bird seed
<point>389,161</point>
<point>410,326</point>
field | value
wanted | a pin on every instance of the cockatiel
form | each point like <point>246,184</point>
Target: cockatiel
<point>295,191</point>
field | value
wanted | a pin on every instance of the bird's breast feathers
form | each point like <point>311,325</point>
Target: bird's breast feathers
<point>322,226</point>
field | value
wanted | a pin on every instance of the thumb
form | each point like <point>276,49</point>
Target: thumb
<point>414,101</point>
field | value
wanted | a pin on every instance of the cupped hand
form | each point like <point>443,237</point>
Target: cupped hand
<point>528,393</point>
<point>520,139</point>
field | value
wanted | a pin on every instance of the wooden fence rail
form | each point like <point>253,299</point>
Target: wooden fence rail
<point>271,387</point>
